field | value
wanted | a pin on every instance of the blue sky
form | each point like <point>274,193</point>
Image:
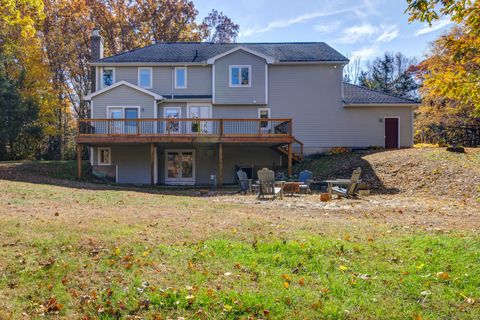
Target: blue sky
<point>356,28</point>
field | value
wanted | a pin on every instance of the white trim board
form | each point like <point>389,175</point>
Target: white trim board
<point>123,83</point>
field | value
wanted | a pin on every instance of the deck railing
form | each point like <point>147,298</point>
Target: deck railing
<point>185,127</point>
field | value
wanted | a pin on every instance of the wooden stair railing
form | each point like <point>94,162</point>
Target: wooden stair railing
<point>297,153</point>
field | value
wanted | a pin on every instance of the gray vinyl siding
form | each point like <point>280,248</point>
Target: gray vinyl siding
<point>199,80</point>
<point>235,111</point>
<point>132,162</point>
<point>123,96</point>
<point>255,94</point>
<point>312,96</point>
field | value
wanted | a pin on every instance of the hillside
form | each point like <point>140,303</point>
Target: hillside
<point>430,170</point>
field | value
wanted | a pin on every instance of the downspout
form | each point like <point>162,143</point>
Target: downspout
<point>173,80</point>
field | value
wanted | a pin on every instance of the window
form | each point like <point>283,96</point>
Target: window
<point>108,77</point>
<point>264,113</point>
<point>145,77</point>
<point>104,156</point>
<point>180,78</point>
<point>240,76</point>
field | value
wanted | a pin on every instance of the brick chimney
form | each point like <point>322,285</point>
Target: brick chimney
<point>97,45</point>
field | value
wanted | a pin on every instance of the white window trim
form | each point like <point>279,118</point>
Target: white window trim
<point>175,73</point>
<point>269,117</point>
<point>384,132</point>
<point>102,86</point>
<point>99,153</point>
<point>172,181</point>
<point>151,77</point>
<point>123,110</point>
<point>231,85</point>
<point>176,108</point>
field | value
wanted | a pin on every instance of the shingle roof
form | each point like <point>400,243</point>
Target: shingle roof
<point>202,51</point>
<point>353,94</point>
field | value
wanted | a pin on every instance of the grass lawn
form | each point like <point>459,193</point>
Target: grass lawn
<point>84,251</point>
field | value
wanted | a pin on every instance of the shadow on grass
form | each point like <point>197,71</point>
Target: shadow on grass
<point>63,173</point>
<point>341,166</point>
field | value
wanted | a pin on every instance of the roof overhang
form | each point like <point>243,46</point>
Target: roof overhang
<point>123,83</point>
<point>269,59</point>
<point>381,105</point>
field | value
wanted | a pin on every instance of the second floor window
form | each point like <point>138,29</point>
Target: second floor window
<point>108,77</point>
<point>145,77</point>
<point>180,78</point>
<point>240,76</point>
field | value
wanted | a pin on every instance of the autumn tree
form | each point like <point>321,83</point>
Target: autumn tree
<point>219,28</point>
<point>392,73</point>
<point>451,70</point>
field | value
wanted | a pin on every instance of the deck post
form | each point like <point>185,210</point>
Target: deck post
<point>220,164</point>
<point>152,164</point>
<point>290,156</point>
<point>79,161</point>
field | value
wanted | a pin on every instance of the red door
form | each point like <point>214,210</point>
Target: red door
<point>391,133</point>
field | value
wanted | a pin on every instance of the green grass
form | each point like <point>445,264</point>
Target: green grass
<point>306,276</point>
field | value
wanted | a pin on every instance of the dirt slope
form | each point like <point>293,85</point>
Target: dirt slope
<point>433,171</point>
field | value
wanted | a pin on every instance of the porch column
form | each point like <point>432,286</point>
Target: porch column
<point>152,163</point>
<point>290,156</point>
<point>220,164</point>
<point>79,161</point>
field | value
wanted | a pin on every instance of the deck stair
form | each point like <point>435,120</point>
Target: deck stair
<point>297,152</point>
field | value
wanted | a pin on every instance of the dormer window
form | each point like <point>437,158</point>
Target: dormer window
<point>240,76</point>
<point>108,77</point>
<point>180,78</point>
<point>145,77</point>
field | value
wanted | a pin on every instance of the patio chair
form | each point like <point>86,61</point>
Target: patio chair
<point>306,178</point>
<point>267,184</point>
<point>345,187</point>
<point>243,181</point>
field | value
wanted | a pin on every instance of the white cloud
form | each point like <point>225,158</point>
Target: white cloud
<point>437,25</point>
<point>327,27</point>
<point>357,33</point>
<point>364,53</point>
<point>389,33</point>
<point>295,20</point>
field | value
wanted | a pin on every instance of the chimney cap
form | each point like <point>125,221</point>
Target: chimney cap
<point>96,33</point>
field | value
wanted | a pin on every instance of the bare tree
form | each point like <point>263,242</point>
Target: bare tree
<point>219,28</point>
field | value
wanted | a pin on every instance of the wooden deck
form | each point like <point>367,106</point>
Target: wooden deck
<point>184,130</point>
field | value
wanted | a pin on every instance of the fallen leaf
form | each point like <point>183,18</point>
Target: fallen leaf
<point>343,268</point>
<point>286,284</point>
<point>301,282</point>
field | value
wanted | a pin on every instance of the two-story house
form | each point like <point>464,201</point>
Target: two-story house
<point>180,113</point>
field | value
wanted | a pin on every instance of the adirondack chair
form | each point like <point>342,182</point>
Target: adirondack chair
<point>306,178</point>
<point>243,181</point>
<point>268,186</point>
<point>345,187</point>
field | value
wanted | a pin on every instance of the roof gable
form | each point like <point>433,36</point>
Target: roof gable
<point>123,83</point>
<point>255,53</point>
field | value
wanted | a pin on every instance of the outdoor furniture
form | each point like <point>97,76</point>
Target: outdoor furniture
<point>267,184</point>
<point>345,187</point>
<point>292,187</point>
<point>306,178</point>
<point>243,181</point>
